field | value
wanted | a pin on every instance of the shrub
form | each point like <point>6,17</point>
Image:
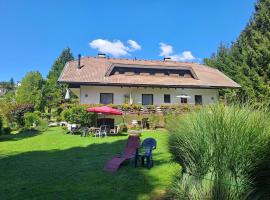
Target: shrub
<point>31,120</point>
<point>217,147</point>
<point>79,115</point>
<point>46,116</point>
<point>6,130</point>
<point>1,123</point>
<point>125,107</point>
<point>34,121</point>
<point>154,121</point>
<point>42,125</point>
<point>122,127</point>
<point>136,107</point>
<point>16,113</point>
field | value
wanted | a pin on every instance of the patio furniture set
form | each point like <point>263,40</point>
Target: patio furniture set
<point>134,149</point>
<point>102,131</point>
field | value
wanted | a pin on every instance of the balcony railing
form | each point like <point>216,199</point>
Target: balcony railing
<point>150,109</point>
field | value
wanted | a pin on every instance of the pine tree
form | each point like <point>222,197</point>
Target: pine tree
<point>247,61</point>
<point>54,92</point>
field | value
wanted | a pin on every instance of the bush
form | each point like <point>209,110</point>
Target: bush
<point>217,147</point>
<point>1,123</point>
<point>154,121</point>
<point>16,113</point>
<point>122,127</point>
<point>79,115</point>
<point>42,125</point>
<point>34,121</point>
<point>6,130</point>
<point>31,120</point>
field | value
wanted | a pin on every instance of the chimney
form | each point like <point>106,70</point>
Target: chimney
<point>167,59</point>
<point>79,61</point>
<point>101,55</point>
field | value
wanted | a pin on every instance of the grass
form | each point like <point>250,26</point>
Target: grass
<point>224,151</point>
<point>55,165</point>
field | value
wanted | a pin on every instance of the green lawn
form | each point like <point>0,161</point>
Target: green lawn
<point>55,165</point>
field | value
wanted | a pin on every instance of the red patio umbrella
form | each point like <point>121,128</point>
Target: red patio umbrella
<point>106,110</point>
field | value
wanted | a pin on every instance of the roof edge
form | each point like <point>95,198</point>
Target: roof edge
<point>149,85</point>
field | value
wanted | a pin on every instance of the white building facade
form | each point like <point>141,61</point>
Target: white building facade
<point>144,95</point>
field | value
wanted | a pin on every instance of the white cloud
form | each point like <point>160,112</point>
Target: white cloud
<point>134,45</point>
<point>167,51</point>
<point>184,56</point>
<point>115,48</point>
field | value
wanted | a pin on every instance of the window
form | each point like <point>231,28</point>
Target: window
<point>198,99</point>
<point>183,100</point>
<point>106,98</point>
<point>167,98</point>
<point>147,99</point>
<point>126,98</point>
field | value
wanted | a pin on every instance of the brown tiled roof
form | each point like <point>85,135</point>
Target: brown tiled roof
<point>95,71</point>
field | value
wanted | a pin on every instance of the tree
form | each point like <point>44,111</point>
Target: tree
<point>247,61</point>
<point>31,90</point>
<point>54,93</point>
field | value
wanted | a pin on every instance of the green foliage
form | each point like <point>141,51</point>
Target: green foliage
<point>8,85</point>
<point>17,111</point>
<point>42,125</point>
<point>34,121</point>
<point>247,61</point>
<point>31,120</point>
<point>154,121</point>
<point>127,107</point>
<point>30,91</point>
<point>79,115</point>
<point>1,123</point>
<point>217,148</point>
<point>6,130</point>
<point>54,92</point>
<point>122,127</point>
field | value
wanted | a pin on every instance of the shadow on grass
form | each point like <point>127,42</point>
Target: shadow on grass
<point>19,136</point>
<point>75,173</point>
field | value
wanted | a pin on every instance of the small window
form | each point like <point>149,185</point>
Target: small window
<point>106,98</point>
<point>198,99</point>
<point>126,98</point>
<point>147,99</point>
<point>167,98</point>
<point>183,100</point>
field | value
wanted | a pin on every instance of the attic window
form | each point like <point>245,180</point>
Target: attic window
<point>187,76</point>
<point>144,73</point>
<point>174,75</point>
<point>152,71</point>
<point>129,73</point>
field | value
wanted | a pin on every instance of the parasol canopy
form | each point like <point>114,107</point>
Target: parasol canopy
<point>105,110</point>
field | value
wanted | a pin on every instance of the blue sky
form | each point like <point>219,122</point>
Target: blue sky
<point>33,33</point>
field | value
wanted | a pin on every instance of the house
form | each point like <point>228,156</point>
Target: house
<point>102,80</point>
<point>3,91</point>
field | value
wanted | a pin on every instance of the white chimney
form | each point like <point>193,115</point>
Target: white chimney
<point>167,59</point>
<point>101,55</point>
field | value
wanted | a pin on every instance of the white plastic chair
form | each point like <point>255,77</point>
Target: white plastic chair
<point>102,131</point>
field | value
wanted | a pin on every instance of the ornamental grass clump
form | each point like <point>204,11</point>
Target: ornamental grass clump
<point>219,148</point>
